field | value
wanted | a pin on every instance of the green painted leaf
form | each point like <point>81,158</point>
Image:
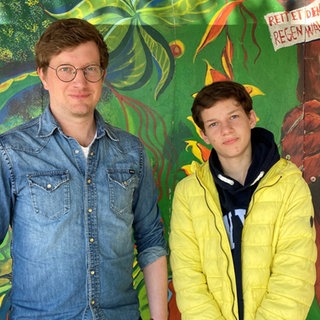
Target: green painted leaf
<point>161,54</point>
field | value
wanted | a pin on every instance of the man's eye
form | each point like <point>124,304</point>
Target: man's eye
<point>92,69</point>
<point>66,70</point>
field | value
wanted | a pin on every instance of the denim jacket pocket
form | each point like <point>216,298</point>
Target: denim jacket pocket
<point>122,183</point>
<point>50,193</point>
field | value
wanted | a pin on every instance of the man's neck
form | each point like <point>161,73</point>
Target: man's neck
<point>82,131</point>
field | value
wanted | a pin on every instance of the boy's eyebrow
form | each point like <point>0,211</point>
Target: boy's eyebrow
<point>210,120</point>
<point>235,110</point>
<point>230,112</point>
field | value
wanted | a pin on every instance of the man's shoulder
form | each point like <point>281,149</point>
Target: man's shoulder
<point>28,128</point>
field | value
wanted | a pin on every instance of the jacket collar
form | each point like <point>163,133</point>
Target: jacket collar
<point>203,173</point>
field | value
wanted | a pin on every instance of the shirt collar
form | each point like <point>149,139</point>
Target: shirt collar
<point>48,124</point>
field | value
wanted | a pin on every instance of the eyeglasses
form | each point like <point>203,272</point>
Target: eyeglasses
<point>67,72</point>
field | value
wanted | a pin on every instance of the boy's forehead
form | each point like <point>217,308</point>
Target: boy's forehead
<point>225,104</point>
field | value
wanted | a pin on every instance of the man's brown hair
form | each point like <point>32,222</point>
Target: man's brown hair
<point>68,33</point>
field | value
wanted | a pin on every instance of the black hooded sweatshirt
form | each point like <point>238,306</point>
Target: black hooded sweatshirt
<point>235,197</point>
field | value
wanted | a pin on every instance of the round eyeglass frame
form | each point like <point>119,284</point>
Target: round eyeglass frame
<point>76,72</point>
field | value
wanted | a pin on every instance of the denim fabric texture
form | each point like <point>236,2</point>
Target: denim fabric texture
<point>75,221</point>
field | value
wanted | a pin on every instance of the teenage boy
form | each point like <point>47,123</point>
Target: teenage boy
<point>242,237</point>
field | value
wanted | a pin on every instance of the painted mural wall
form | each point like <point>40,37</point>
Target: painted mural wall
<point>161,53</point>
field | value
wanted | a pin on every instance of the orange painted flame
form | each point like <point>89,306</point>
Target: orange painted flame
<point>216,24</point>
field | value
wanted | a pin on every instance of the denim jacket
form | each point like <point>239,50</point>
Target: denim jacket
<point>75,221</point>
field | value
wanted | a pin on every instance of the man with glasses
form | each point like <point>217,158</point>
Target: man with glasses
<point>78,194</point>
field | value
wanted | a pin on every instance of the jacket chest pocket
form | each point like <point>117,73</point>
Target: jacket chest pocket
<point>50,193</point>
<point>122,184</point>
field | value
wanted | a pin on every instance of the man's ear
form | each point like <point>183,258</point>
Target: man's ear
<point>43,76</point>
<point>204,137</point>
<point>252,119</point>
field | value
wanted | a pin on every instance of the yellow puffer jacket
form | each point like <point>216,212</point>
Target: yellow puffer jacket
<point>278,249</point>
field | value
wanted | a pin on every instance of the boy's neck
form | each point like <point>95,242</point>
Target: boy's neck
<point>236,169</point>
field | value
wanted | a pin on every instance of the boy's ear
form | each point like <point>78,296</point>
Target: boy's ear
<point>204,137</point>
<point>252,119</point>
